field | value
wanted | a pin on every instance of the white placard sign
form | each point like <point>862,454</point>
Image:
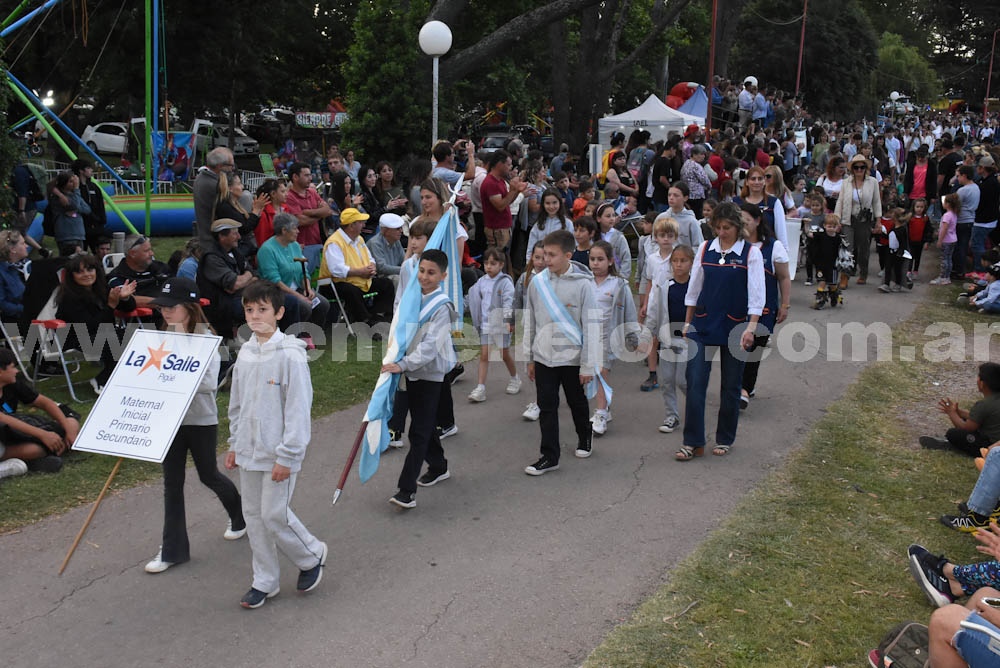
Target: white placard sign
<point>142,405</point>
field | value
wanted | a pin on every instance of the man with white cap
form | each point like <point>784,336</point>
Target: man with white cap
<point>744,103</point>
<point>385,247</point>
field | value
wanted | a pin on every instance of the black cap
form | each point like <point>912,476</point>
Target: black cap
<point>177,290</point>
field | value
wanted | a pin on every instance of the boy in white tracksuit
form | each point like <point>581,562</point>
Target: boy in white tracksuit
<point>269,421</point>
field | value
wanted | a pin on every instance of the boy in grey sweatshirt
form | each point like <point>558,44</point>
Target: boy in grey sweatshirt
<point>270,427</point>
<point>428,358</point>
<point>562,327</point>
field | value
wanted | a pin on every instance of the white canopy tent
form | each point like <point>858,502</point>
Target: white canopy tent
<point>652,115</point>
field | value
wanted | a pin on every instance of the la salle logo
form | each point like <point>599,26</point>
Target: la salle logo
<point>164,360</point>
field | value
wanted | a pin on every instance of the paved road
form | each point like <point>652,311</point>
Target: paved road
<point>493,568</point>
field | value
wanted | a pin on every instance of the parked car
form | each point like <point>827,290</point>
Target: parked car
<point>218,135</point>
<point>494,141</point>
<point>106,137</point>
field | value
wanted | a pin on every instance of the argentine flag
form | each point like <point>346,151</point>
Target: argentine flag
<point>405,322</point>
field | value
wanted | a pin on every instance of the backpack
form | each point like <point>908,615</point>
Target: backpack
<point>904,646</point>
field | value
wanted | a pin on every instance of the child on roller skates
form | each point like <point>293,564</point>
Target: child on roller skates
<point>827,249</point>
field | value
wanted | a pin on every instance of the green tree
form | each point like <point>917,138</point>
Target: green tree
<point>388,91</point>
<point>903,69</point>
<point>840,46</point>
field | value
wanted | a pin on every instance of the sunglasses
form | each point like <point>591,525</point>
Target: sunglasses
<point>859,168</point>
<point>140,240</point>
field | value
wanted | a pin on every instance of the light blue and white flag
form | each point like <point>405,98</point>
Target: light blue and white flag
<point>445,238</point>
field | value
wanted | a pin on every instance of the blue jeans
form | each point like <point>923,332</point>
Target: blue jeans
<point>698,371</point>
<point>979,235</point>
<point>977,647</point>
<point>987,490</point>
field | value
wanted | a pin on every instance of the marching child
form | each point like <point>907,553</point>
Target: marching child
<point>948,236</point>
<point>535,267</point>
<point>270,426</point>
<point>883,226</point>
<point>644,247</point>
<point>178,304</point>
<point>607,218</point>
<point>664,319</point>
<point>812,225</point>
<point>491,303</point>
<point>559,348</point>
<point>898,243</point>
<point>551,217</point>
<point>921,234</point>
<point>584,232</point>
<point>657,271</point>
<point>429,357</point>
<point>827,246</point>
<point>614,298</point>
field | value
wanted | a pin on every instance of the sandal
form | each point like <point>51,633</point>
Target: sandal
<point>687,453</point>
<point>721,450</point>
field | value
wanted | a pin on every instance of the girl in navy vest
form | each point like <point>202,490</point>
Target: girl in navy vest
<point>724,301</point>
<point>777,290</point>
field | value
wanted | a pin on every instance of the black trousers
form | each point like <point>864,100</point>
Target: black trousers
<point>752,366</point>
<point>401,406</point>
<point>200,441</point>
<point>967,442</point>
<point>424,396</point>
<point>548,379</point>
<point>354,301</point>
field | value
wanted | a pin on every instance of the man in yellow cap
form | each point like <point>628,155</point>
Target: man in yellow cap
<point>348,268</point>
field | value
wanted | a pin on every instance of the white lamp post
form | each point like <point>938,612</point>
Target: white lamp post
<point>893,96</point>
<point>435,41</point>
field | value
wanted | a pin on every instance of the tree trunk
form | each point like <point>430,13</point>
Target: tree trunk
<point>560,86</point>
<point>730,12</point>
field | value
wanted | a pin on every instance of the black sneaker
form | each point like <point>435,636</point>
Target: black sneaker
<point>541,467</point>
<point>968,522</point>
<point>445,432</point>
<point>49,464</point>
<point>430,478</point>
<point>583,450</point>
<point>255,598</point>
<point>931,443</point>
<point>928,571</point>
<point>404,499</point>
<point>395,438</point>
<point>309,580</point>
<point>963,508</point>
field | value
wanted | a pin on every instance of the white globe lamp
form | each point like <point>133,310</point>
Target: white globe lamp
<point>435,41</point>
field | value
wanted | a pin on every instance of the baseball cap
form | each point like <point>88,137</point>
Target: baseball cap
<point>177,290</point>
<point>352,215</point>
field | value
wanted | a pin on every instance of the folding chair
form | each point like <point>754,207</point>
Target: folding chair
<point>342,312</point>
<point>15,344</point>
<point>111,260</point>
<point>50,346</point>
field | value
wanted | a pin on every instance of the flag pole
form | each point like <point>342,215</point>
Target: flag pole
<point>93,511</point>
<point>350,462</point>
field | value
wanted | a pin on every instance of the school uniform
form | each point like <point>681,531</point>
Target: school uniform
<point>725,289</point>
<point>491,305</point>
<point>665,315</point>
<point>772,251</point>
<point>429,357</point>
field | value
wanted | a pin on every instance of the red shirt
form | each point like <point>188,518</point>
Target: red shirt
<point>309,235</point>
<point>493,219</point>
<point>917,225</point>
<point>919,181</point>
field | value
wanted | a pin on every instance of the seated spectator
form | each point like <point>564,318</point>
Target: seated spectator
<point>223,273</point>
<point>13,249</point>
<point>280,261</point>
<point>141,267</point>
<point>191,255</point>
<point>944,582</point>
<point>966,636</point>
<point>347,267</point>
<point>36,441</point>
<point>85,301</point>
<point>385,247</point>
<point>978,427</point>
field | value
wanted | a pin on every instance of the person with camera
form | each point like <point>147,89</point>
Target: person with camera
<point>859,207</point>
<point>141,266</point>
<point>445,157</point>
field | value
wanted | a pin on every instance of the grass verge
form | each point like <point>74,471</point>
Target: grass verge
<point>811,569</point>
<point>339,381</point>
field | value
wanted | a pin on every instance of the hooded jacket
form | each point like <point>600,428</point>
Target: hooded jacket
<point>431,353</point>
<point>269,404</point>
<point>503,300</point>
<point>544,340</point>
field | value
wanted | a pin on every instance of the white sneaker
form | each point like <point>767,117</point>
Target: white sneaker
<point>158,565</point>
<point>234,535</point>
<point>600,424</point>
<point>12,467</point>
<point>531,412</point>
<point>514,386</point>
<point>478,395</point>
<point>97,388</point>
<point>669,425</point>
